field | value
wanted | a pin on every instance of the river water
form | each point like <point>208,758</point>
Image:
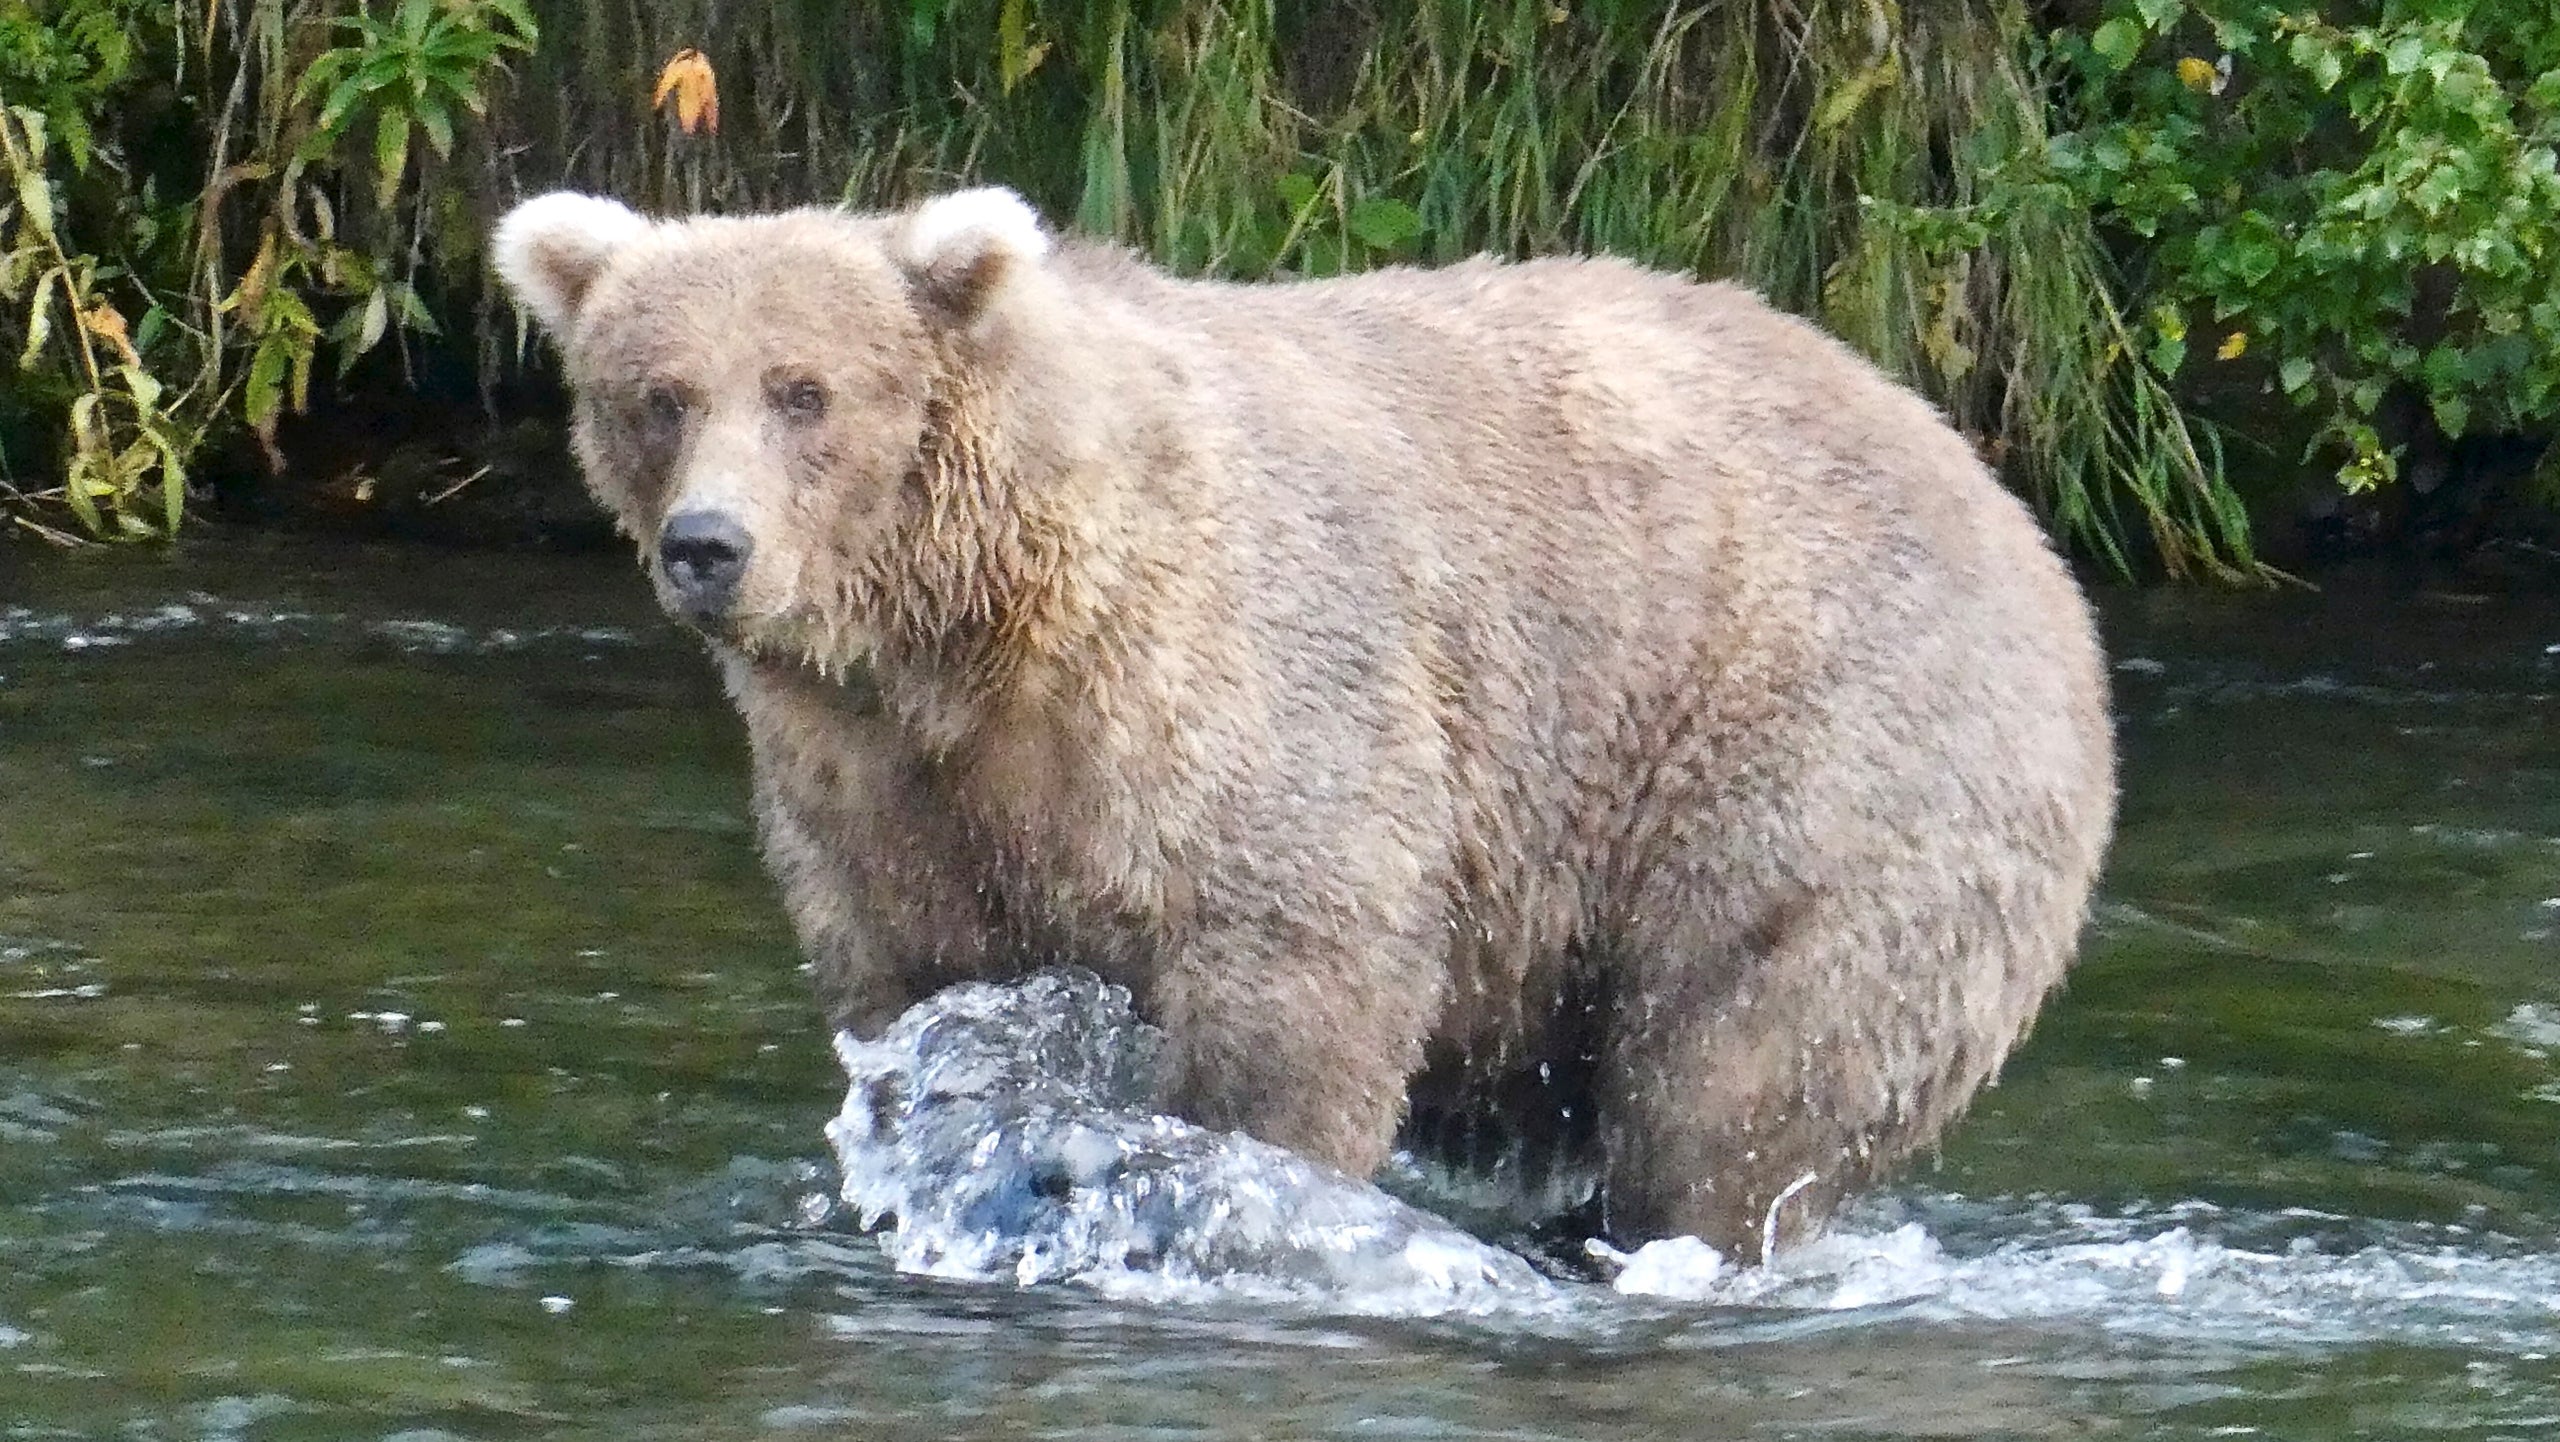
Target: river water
<point>398,1040</point>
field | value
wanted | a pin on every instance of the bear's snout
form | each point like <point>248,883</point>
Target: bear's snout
<point>704,555</point>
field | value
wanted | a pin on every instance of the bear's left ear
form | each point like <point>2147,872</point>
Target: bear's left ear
<point>550,249</point>
<point>959,249</point>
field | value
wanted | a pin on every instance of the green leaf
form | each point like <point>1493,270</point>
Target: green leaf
<point>434,119</point>
<point>39,320</point>
<point>31,125</point>
<point>2295,376</point>
<point>173,485</point>
<point>2117,42</point>
<point>520,15</point>
<point>413,311</point>
<point>2452,413</point>
<point>35,199</point>
<point>79,141</point>
<point>414,16</point>
<point>1847,99</point>
<point>1384,223</point>
<point>323,72</point>
<point>1016,55</point>
<point>2445,367</point>
<point>77,488</point>
<point>143,386</point>
<point>341,104</point>
<point>2315,54</point>
<point>390,152</point>
<point>262,398</point>
<point>377,315</point>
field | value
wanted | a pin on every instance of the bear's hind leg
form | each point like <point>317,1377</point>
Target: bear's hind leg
<point>1750,1080</point>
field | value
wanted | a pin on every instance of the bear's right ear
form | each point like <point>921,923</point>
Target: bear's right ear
<point>959,249</point>
<point>551,248</point>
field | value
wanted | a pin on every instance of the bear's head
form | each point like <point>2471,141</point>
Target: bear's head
<point>778,408</point>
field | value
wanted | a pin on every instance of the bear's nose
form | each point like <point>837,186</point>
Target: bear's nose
<point>704,553</point>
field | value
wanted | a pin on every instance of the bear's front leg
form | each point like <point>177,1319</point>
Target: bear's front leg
<point>880,879</point>
<point>1298,1015</point>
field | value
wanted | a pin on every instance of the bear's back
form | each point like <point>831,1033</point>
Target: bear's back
<point>1592,400</point>
<point>1602,456</point>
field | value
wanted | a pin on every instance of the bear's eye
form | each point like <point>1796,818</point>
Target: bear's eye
<point>799,398</point>
<point>666,406</point>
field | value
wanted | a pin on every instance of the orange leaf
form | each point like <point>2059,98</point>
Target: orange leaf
<point>696,91</point>
<point>107,324</point>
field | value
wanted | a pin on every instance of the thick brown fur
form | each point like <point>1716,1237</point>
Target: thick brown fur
<point>1458,671</point>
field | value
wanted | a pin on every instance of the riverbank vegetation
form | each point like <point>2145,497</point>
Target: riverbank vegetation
<point>2084,231</point>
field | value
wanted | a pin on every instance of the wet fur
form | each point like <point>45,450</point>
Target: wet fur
<point>1397,681</point>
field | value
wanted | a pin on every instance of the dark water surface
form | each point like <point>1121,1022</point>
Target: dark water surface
<point>397,1039</point>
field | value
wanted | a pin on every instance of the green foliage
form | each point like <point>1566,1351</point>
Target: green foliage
<point>408,73</point>
<point>305,230</point>
<point>357,107</point>
<point>62,58</point>
<point>1871,166</point>
<point>2364,201</point>
<point>124,461</point>
<point>1860,164</point>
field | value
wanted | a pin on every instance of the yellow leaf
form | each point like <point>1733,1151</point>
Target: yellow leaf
<point>689,80</point>
<point>2196,74</point>
<point>2234,346</point>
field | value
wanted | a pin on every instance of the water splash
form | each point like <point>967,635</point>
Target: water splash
<point>1011,1132</point>
<point>2191,1272</point>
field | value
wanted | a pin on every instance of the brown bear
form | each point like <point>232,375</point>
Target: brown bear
<point>1406,684</point>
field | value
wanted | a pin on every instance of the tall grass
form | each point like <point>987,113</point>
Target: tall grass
<point>1873,164</point>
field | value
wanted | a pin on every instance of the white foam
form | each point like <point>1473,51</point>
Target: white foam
<point>2177,1273</point>
<point>1001,1134</point>
<point>2532,1024</point>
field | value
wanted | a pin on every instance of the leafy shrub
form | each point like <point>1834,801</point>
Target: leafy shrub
<point>333,165</point>
<point>145,324</point>
<point>64,59</point>
<point>2367,201</point>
